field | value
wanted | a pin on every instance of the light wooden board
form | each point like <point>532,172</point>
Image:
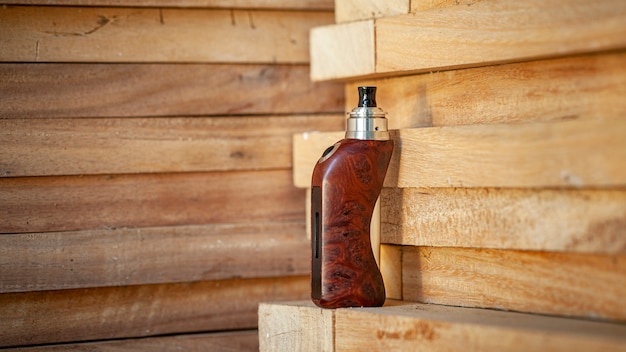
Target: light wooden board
<point>43,204</point>
<point>586,86</point>
<point>391,269</point>
<point>355,10</point>
<point>115,257</point>
<point>44,147</point>
<point>121,90</point>
<point>581,221</point>
<point>565,284</point>
<point>108,34</point>
<point>438,328</point>
<point>487,32</point>
<point>246,4</point>
<point>343,50</point>
<point>133,311</point>
<point>422,5</point>
<point>244,340</point>
<point>295,326</point>
<point>572,153</point>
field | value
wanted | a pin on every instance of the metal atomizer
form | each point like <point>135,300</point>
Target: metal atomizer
<point>346,183</point>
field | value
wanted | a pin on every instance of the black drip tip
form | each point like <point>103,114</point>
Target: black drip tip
<point>367,97</point>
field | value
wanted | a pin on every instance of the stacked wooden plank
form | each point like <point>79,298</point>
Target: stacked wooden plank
<point>507,188</point>
<point>146,172</point>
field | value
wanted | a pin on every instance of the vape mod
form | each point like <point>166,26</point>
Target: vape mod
<point>346,183</point>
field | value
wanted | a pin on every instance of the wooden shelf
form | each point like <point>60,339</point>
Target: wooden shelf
<point>487,32</point>
<point>300,326</point>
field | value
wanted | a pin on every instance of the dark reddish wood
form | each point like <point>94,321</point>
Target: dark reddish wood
<point>350,181</point>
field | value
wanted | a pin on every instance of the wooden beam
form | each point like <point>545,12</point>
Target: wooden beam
<point>485,33</point>
<point>343,50</point>
<point>571,153</point>
<point>296,326</point>
<point>565,284</point>
<point>133,311</point>
<point>116,257</point>
<point>423,5</point>
<point>243,4</point>
<point>440,328</point>
<point>42,204</point>
<point>124,90</point>
<point>353,10</point>
<point>45,147</point>
<point>580,221</point>
<point>109,34</point>
<point>244,340</point>
<point>586,86</point>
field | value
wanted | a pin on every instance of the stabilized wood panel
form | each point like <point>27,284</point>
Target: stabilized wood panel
<point>132,311</point>
<point>115,257</point>
<point>582,221</point>
<point>589,86</point>
<point>246,4</point>
<point>567,153</point>
<point>484,33</point>
<point>296,326</point>
<point>440,328</point>
<point>566,284</point>
<point>245,340</point>
<point>38,147</point>
<point>121,90</point>
<point>43,204</point>
<point>107,34</point>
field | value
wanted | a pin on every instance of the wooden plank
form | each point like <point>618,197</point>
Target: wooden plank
<point>581,221</point>
<point>566,284</point>
<point>108,34</point>
<point>587,86</point>
<point>485,33</point>
<point>439,328</point>
<point>296,326</point>
<point>121,90</point>
<point>245,4</point>
<point>116,257</point>
<point>44,147</point>
<point>353,10</point>
<point>134,311</point>
<point>342,50</point>
<point>391,269</point>
<point>245,340</point>
<point>423,5</point>
<point>571,153</point>
<point>42,204</point>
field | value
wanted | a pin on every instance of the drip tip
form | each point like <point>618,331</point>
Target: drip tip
<point>367,97</point>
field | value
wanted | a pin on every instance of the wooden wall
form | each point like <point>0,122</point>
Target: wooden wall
<point>146,194</point>
<point>507,188</point>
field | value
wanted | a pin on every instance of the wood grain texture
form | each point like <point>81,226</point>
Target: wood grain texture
<point>44,147</point>
<point>134,311</point>
<point>295,326</point>
<point>485,33</point>
<point>580,221</point>
<point>342,50</point>
<point>349,181</point>
<point>245,4</point>
<point>570,153</point>
<point>42,204</point>
<point>116,257</point>
<point>565,284</point>
<point>391,269</point>
<point>423,5</point>
<point>586,86</point>
<point>440,328</point>
<point>244,340</point>
<point>141,90</point>
<point>108,34</point>
<point>353,10</point>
